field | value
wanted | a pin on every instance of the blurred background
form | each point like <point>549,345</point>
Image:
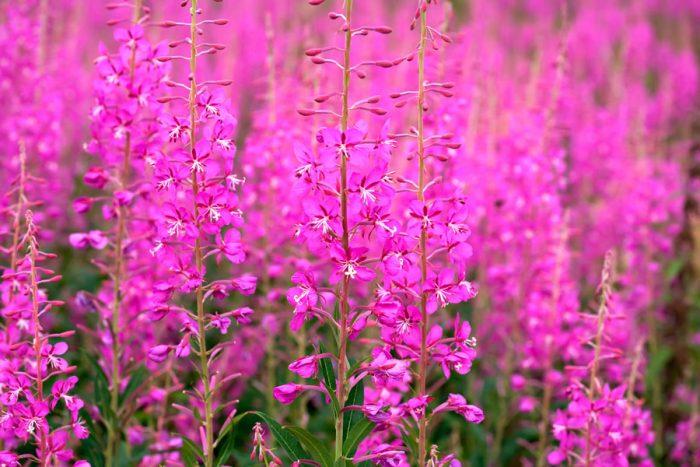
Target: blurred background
<point>579,125</point>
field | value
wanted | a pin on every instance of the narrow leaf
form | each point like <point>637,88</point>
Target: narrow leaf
<point>352,417</point>
<point>284,437</point>
<point>360,431</point>
<point>191,453</point>
<point>225,443</point>
<point>328,375</point>
<point>138,376</point>
<point>313,445</point>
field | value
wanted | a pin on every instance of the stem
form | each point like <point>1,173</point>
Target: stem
<point>16,225</point>
<point>344,292</point>
<point>113,432</point>
<point>198,253</point>
<point>548,387</point>
<point>423,363</point>
<point>593,381</point>
<point>272,71</point>
<point>37,331</point>
<point>656,389</point>
<point>270,360</point>
<point>43,32</point>
<point>21,200</point>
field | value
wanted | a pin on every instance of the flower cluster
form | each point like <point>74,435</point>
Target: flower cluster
<point>402,276</point>
<point>198,221</point>
<point>398,248</point>
<point>602,425</point>
<point>34,361</point>
<point>126,135</point>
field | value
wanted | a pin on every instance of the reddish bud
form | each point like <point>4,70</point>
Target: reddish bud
<point>313,52</point>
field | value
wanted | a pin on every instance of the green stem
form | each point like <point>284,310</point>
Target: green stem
<point>114,432</point>
<point>424,325</point>
<point>548,387</point>
<point>593,381</point>
<point>38,344</point>
<point>344,292</point>
<point>198,253</point>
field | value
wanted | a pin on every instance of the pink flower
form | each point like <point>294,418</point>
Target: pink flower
<point>245,284</point>
<point>457,403</point>
<point>95,239</point>
<point>303,296</point>
<point>82,205</point>
<point>96,177</point>
<point>51,354</point>
<point>287,393</point>
<point>60,390</point>
<point>242,315</point>
<point>350,265</point>
<point>230,246</point>
<point>9,459</point>
<point>220,322</point>
<point>159,353</point>
<point>306,367</point>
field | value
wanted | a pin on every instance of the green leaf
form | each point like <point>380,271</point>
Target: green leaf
<point>359,432</point>
<point>409,440</point>
<point>225,443</point>
<point>191,452</point>
<point>93,451</point>
<point>352,417</point>
<point>138,376</point>
<point>327,373</point>
<point>355,364</point>
<point>657,362</point>
<point>284,437</point>
<point>329,380</point>
<point>102,396</point>
<point>313,445</point>
<point>674,268</point>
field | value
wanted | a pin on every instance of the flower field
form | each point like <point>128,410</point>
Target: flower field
<point>349,233</point>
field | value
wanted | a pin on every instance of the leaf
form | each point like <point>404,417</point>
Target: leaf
<point>409,440</point>
<point>351,417</point>
<point>313,445</point>
<point>225,443</point>
<point>359,432</point>
<point>101,390</point>
<point>355,364</point>
<point>674,268</point>
<point>657,362</point>
<point>138,376</point>
<point>328,375</point>
<point>191,452</point>
<point>284,437</point>
<point>93,451</point>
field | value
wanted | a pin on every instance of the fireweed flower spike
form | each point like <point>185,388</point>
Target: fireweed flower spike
<point>125,135</point>
<point>345,190</point>
<point>199,209</point>
<point>35,378</point>
<point>602,425</point>
<point>571,130</point>
<point>432,253</point>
